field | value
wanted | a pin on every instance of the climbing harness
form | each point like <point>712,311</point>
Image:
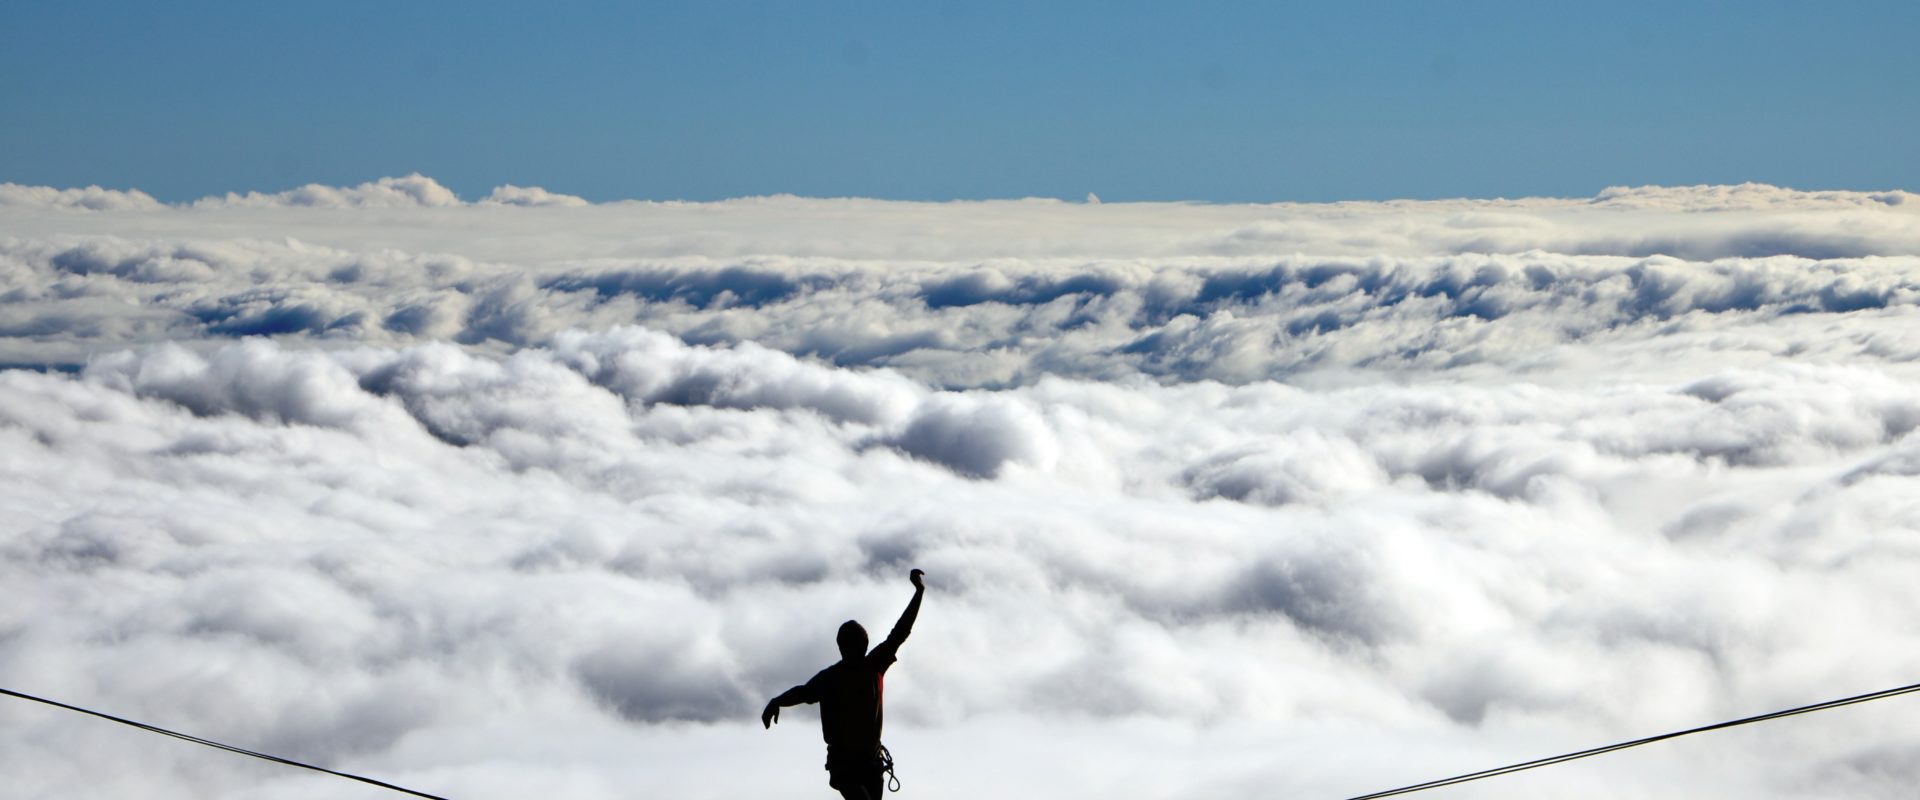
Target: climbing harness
<point>886,766</point>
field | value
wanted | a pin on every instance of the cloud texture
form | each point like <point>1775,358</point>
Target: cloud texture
<point>489,499</point>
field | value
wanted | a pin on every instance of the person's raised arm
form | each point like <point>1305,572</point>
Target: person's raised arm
<point>804,693</point>
<point>905,626</point>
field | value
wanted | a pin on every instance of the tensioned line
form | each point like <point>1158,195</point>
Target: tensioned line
<point>1564,757</point>
<point>1418,787</point>
<point>227,747</point>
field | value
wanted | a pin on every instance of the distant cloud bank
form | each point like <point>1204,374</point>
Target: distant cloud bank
<point>416,190</point>
<point>412,191</point>
<point>91,198</point>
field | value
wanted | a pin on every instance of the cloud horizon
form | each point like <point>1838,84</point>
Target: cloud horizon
<point>416,189</point>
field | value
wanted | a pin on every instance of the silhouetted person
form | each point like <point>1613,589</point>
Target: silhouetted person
<point>849,696</point>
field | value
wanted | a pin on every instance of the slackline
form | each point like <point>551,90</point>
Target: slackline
<point>227,747</point>
<point>1565,757</point>
<point>1417,787</point>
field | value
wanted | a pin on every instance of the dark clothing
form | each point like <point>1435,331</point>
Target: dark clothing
<point>856,782</point>
<point>851,713</point>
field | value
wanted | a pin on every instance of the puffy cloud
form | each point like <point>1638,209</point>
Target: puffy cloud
<point>510,195</point>
<point>1234,320</point>
<point>91,198</point>
<point>976,438</point>
<point>490,516</point>
<point>988,294</point>
<point>1743,196</point>
<point>413,190</point>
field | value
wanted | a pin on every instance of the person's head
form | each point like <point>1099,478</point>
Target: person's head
<point>853,640</point>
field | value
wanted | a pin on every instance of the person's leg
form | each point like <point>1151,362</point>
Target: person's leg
<point>852,785</point>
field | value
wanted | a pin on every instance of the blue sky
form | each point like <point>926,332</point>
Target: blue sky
<point>1210,101</point>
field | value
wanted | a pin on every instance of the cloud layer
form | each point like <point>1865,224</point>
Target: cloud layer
<point>412,191</point>
<point>1248,510</point>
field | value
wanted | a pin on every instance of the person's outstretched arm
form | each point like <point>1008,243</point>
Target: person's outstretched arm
<point>890,648</point>
<point>804,693</point>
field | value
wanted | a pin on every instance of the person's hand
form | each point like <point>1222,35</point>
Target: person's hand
<point>916,576</point>
<point>771,715</point>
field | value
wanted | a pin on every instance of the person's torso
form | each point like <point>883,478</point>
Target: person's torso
<point>851,706</point>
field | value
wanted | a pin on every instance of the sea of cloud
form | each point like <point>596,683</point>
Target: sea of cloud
<point>531,496</point>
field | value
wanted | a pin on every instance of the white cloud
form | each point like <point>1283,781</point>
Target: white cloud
<point>414,190</point>
<point>91,198</point>
<point>968,324</point>
<point>510,195</point>
<point>493,501</point>
<point>1742,196</point>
